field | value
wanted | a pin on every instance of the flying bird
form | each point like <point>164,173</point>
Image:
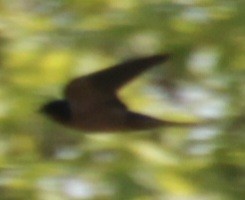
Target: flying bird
<point>91,102</point>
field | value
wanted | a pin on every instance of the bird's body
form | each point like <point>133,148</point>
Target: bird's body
<point>91,102</point>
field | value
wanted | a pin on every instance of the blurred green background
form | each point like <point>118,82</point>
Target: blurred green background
<point>43,44</point>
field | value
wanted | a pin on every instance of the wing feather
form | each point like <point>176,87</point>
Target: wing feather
<point>99,87</point>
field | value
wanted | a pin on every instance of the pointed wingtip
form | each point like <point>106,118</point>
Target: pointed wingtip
<point>150,60</point>
<point>160,57</point>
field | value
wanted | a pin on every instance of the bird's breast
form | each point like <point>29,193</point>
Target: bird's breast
<point>100,119</point>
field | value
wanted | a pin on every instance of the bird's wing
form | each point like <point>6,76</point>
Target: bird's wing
<point>118,75</point>
<point>101,86</point>
<point>137,121</point>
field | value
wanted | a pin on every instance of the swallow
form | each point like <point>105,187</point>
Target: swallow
<point>91,102</point>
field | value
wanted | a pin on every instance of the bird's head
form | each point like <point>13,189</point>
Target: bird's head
<point>58,110</point>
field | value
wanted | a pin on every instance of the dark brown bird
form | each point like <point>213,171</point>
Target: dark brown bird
<point>91,102</point>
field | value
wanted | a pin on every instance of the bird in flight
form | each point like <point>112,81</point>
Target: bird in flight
<point>91,103</point>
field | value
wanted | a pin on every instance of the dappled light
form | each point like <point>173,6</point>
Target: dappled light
<point>45,44</point>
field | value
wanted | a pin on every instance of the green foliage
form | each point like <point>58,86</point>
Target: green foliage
<point>43,44</point>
